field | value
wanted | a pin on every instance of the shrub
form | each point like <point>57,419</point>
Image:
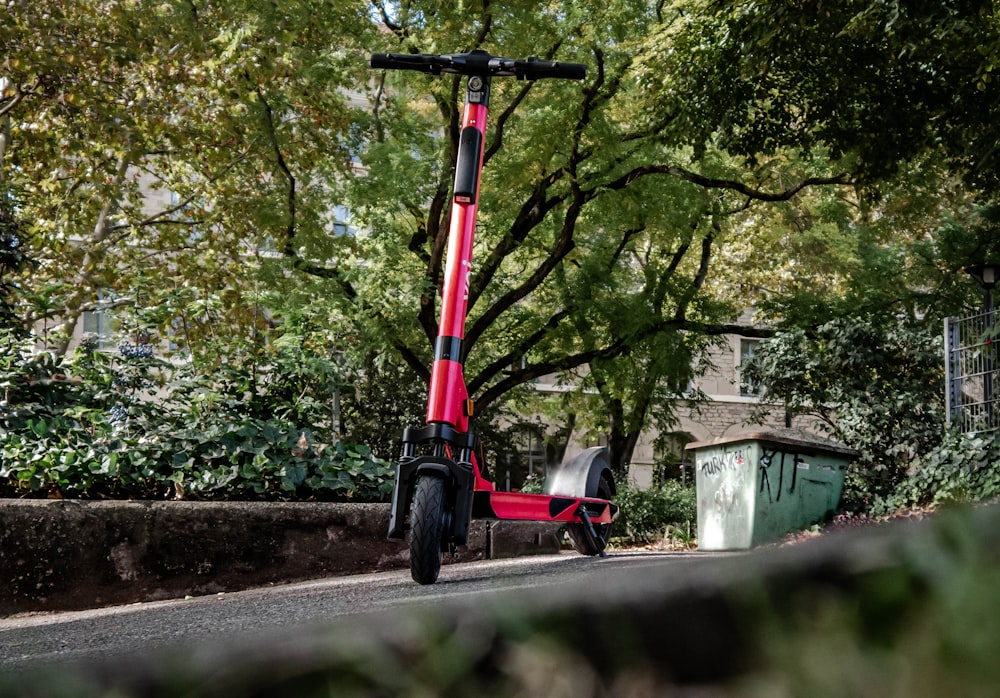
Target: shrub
<point>964,469</point>
<point>877,385</point>
<point>247,459</point>
<point>645,514</point>
<point>83,426</point>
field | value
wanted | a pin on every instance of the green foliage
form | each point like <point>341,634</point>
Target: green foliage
<point>84,426</point>
<point>264,126</point>
<point>385,399</point>
<point>878,83</point>
<point>224,107</point>
<point>533,484</point>
<point>248,459</point>
<point>649,515</point>
<point>963,469</point>
<point>878,388</point>
<point>289,368</point>
<point>920,625</point>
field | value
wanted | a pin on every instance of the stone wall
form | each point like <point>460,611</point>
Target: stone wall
<point>66,554</point>
<point>710,420</point>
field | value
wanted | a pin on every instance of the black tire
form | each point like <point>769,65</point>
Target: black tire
<point>581,538</point>
<point>427,526</point>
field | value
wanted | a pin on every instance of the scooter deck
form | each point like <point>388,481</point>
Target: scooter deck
<point>518,506</point>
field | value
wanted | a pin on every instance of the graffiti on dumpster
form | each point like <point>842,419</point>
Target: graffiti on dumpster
<point>765,481</point>
<point>716,465</point>
<point>767,459</point>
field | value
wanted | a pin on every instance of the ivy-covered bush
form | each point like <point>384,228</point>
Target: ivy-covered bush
<point>877,386</point>
<point>129,425</point>
<point>964,469</point>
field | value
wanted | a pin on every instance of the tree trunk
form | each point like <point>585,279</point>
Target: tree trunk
<point>83,282</point>
<point>621,444</point>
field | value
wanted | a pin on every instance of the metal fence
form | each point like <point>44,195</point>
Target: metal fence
<point>971,364</point>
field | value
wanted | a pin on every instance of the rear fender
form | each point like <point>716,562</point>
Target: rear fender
<point>580,476</point>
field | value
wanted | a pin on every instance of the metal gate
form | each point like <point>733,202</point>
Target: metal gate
<point>971,370</point>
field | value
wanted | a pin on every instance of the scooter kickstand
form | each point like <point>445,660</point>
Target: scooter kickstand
<point>598,542</point>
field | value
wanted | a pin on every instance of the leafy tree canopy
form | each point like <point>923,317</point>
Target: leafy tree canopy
<point>707,160</point>
<point>878,82</point>
<point>157,139</point>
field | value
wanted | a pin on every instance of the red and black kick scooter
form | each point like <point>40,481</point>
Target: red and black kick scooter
<point>440,484</point>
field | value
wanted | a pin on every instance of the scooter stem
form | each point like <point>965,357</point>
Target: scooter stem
<point>448,399</point>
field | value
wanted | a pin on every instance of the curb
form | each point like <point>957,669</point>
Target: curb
<point>58,555</point>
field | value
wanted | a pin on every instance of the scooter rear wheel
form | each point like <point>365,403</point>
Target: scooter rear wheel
<point>427,526</point>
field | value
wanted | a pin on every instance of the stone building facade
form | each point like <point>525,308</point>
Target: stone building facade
<point>725,411</point>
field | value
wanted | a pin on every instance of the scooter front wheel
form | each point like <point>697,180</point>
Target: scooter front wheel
<point>428,521</point>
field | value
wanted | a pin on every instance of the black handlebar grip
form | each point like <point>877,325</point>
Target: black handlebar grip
<point>402,61</point>
<point>534,69</point>
<point>380,60</point>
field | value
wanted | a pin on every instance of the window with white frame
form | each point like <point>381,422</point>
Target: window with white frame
<point>97,324</point>
<point>748,388</point>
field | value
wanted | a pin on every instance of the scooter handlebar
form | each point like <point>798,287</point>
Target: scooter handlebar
<point>535,69</point>
<point>405,61</point>
<point>478,63</point>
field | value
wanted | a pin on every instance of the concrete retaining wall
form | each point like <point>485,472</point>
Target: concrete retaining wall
<point>66,554</point>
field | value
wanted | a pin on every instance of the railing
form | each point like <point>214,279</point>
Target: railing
<point>971,363</point>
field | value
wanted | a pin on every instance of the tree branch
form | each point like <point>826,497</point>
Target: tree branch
<point>562,247</point>
<point>377,109</point>
<point>728,184</point>
<point>14,101</point>
<point>288,249</point>
<point>701,274</point>
<point>419,238</point>
<point>532,212</point>
<point>418,364</point>
<point>484,31</point>
<point>530,373</point>
<point>386,20</point>
<point>523,347</point>
<point>157,218</point>
<point>500,122</point>
<point>619,347</point>
<point>542,333</point>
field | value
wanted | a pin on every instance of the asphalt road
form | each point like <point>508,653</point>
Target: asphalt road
<point>105,634</point>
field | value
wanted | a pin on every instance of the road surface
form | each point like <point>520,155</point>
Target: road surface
<point>32,640</point>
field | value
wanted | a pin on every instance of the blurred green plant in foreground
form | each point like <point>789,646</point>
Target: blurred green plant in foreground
<point>898,610</point>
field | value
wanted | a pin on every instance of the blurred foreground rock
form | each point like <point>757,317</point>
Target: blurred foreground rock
<point>904,609</point>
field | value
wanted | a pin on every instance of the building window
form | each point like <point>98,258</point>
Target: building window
<point>97,324</point>
<point>672,461</point>
<point>748,388</point>
<point>99,321</point>
<point>682,385</point>
<point>527,458</point>
<point>342,222</point>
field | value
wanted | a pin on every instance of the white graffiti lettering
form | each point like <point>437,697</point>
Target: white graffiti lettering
<point>719,464</point>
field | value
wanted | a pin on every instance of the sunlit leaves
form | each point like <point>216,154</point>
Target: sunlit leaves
<point>198,106</point>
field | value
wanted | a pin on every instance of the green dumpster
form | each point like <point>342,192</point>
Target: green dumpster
<point>754,488</point>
